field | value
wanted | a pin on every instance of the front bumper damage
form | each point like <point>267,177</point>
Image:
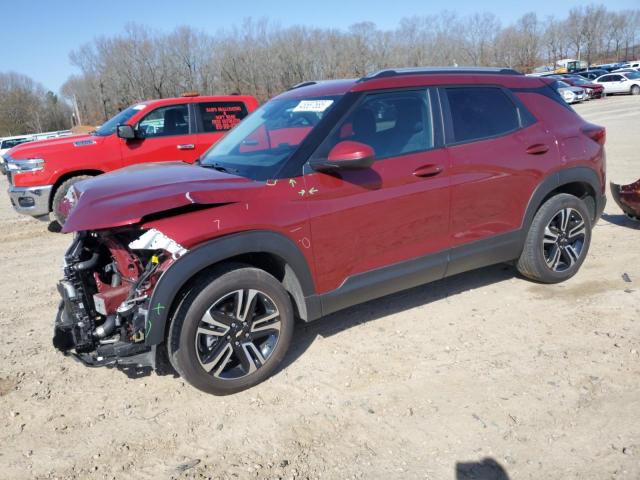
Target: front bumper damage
<point>108,281</point>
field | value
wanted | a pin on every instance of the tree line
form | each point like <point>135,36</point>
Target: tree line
<point>26,107</point>
<point>263,59</point>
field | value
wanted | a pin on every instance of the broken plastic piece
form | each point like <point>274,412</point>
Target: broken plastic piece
<point>155,240</point>
<point>628,198</point>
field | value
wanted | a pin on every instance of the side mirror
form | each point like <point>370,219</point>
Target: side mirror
<point>624,79</point>
<point>126,131</point>
<point>346,155</point>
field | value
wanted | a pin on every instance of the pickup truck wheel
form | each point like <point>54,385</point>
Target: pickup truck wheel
<point>558,240</point>
<point>59,194</point>
<point>231,331</point>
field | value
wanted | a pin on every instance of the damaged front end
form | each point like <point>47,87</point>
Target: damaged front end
<point>109,277</point>
<point>628,198</point>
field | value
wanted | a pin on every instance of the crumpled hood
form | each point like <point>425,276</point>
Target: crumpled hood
<point>40,148</point>
<point>125,196</point>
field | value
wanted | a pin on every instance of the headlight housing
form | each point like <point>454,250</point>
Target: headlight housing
<point>568,95</point>
<point>26,165</point>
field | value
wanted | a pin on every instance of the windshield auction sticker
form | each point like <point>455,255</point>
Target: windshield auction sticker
<point>313,105</point>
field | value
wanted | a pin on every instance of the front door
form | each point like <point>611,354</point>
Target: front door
<point>164,136</point>
<point>395,211</point>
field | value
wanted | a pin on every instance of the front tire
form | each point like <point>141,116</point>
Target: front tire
<point>232,330</point>
<point>59,195</point>
<point>635,90</point>
<point>558,240</point>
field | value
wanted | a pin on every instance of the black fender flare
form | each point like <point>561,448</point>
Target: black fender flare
<point>558,179</point>
<point>217,250</point>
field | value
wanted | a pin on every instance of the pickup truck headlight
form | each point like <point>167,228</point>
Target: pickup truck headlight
<point>26,165</point>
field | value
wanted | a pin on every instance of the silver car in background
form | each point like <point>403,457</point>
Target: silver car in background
<point>570,94</point>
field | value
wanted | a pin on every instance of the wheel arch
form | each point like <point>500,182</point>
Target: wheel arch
<point>267,250</point>
<point>582,182</point>
<point>66,176</point>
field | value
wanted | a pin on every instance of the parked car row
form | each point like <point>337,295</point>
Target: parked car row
<point>576,87</point>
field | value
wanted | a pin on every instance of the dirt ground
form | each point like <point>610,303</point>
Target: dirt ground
<point>484,375</point>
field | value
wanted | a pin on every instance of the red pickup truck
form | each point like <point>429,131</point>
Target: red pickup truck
<point>40,173</point>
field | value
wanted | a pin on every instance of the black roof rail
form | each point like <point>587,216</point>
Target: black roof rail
<point>302,84</point>
<point>394,72</point>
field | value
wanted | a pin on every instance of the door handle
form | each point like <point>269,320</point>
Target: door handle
<point>427,171</point>
<point>537,149</point>
<point>186,146</point>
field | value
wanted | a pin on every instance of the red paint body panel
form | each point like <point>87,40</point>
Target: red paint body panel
<point>363,220</point>
<point>492,182</point>
<point>354,221</point>
<point>63,156</point>
<point>124,197</point>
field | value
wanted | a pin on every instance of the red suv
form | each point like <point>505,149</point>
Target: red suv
<point>40,173</point>
<point>329,195</point>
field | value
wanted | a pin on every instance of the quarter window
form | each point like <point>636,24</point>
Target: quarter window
<point>481,112</point>
<point>221,116</point>
<point>165,121</point>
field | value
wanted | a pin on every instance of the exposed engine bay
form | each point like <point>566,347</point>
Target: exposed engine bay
<point>109,277</point>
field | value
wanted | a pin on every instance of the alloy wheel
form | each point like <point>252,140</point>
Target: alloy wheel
<point>238,334</point>
<point>564,238</point>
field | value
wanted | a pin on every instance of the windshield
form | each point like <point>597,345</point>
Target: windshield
<point>561,84</point>
<point>6,144</point>
<point>632,75</point>
<point>109,127</point>
<point>259,146</point>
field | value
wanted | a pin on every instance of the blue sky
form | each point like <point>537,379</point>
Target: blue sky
<point>37,35</point>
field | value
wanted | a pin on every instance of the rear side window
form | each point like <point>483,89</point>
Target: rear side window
<point>481,112</point>
<point>221,116</point>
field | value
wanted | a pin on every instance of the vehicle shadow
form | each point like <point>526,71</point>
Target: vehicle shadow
<point>486,469</point>
<point>306,333</point>
<point>621,220</point>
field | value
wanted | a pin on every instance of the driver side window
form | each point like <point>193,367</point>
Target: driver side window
<point>165,121</point>
<point>393,124</point>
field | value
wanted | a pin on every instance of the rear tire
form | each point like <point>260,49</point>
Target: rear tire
<point>558,240</point>
<point>232,330</point>
<point>58,197</point>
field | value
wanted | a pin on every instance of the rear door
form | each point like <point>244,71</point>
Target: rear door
<point>497,151</point>
<point>394,211</point>
<point>166,135</point>
<point>213,120</point>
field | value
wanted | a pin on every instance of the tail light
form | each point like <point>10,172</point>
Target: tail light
<point>595,132</point>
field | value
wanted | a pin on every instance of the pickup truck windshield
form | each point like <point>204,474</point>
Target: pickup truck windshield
<point>266,139</point>
<point>109,127</point>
